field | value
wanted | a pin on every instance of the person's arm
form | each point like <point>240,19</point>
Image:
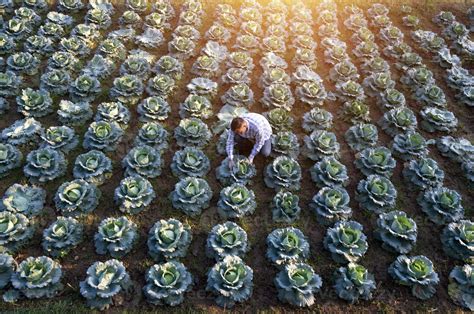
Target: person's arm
<point>230,145</point>
<point>257,147</point>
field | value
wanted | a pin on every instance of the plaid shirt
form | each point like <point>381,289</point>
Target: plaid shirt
<point>259,129</point>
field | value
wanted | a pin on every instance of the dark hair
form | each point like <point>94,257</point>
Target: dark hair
<point>237,123</point>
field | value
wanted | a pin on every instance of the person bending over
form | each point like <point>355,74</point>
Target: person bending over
<point>251,127</point>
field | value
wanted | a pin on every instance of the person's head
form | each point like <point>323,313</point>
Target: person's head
<point>238,126</point>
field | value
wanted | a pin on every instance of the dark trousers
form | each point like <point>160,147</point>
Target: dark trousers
<point>245,145</point>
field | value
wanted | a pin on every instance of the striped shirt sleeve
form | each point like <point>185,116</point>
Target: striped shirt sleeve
<point>230,145</point>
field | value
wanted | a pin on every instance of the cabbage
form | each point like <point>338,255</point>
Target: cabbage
<point>70,6</point>
<point>409,60</point>
<point>424,173</point>
<point>376,65</point>
<point>392,99</point>
<point>376,194</point>
<point>227,239</point>
<point>280,119</point>
<point>60,18</point>
<point>297,283</point>
<point>466,95</point>
<point>272,76</point>
<point>84,88</point>
<point>192,132</point>
<point>361,136</point>
<point>153,134</point>
<point>161,85</point>
<point>283,173</point>
<point>167,283</point>
<point>391,35</point>
<point>335,54</point>
<point>458,149</point>
<point>130,19</point>
<point>181,47</point>
<point>416,272</point>
<point>397,232</point>
<point>55,81</point>
<point>28,15</point>
<point>142,160</point>
<point>45,164</point>
<point>236,201</point>
<point>127,89</point>
<point>456,31</point>
<point>317,119</point>
<point>377,83</point>
<point>346,242</point>
<point>354,282</point>
<point>285,143</point>
<point>134,194</point>
<point>23,63</point>
<point>279,96</point>
<point>240,59</point>
<point>219,33</point>
<point>287,246</point>
<point>10,159</point>
<point>24,199</point>
<point>458,241</point>
<point>24,131</point>
<point>93,167</point>
<point>238,95</point>
<point>34,103</point>
<point>38,277</point>
<point>366,49</point>
<point>350,90</point>
<point>76,45</point>
<point>320,144</point>
<point>375,160</point>
<point>329,172</point>
<point>150,38</point>
<point>442,205</point>
<point>169,66</point>
<point>115,236</point>
<point>202,86</point>
<point>431,95</point>
<point>312,93</point>
<point>113,112</point>
<point>231,281</point>
<point>63,60</point>
<point>7,44</point>
<point>16,28</point>
<point>343,71</point>
<point>169,239</point>
<point>39,45</point>
<point>285,207</point>
<point>377,9</point>
<point>355,112</point>
<point>409,145</point>
<point>99,67</point>
<point>445,59</point>
<point>331,204</point>
<point>468,168</point>
<point>77,198</point>
<point>398,120</point>
<point>139,6</point>
<point>363,34</point>
<point>62,138</point>
<point>418,77</point>
<point>154,108</point>
<point>190,161</point>
<point>61,236</point>
<point>104,280</point>
<point>196,106</point>
<point>206,66</point>
<point>112,48</point>
<point>136,66</point>
<point>102,135</point>
<point>411,21</point>
<point>15,231</point>
<point>436,119</point>
<point>191,195</point>
<point>460,286</point>
<point>7,267</point>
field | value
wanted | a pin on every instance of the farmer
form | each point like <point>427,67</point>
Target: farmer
<point>251,128</point>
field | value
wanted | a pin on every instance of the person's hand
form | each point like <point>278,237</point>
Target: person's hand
<point>250,160</point>
<point>231,164</point>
